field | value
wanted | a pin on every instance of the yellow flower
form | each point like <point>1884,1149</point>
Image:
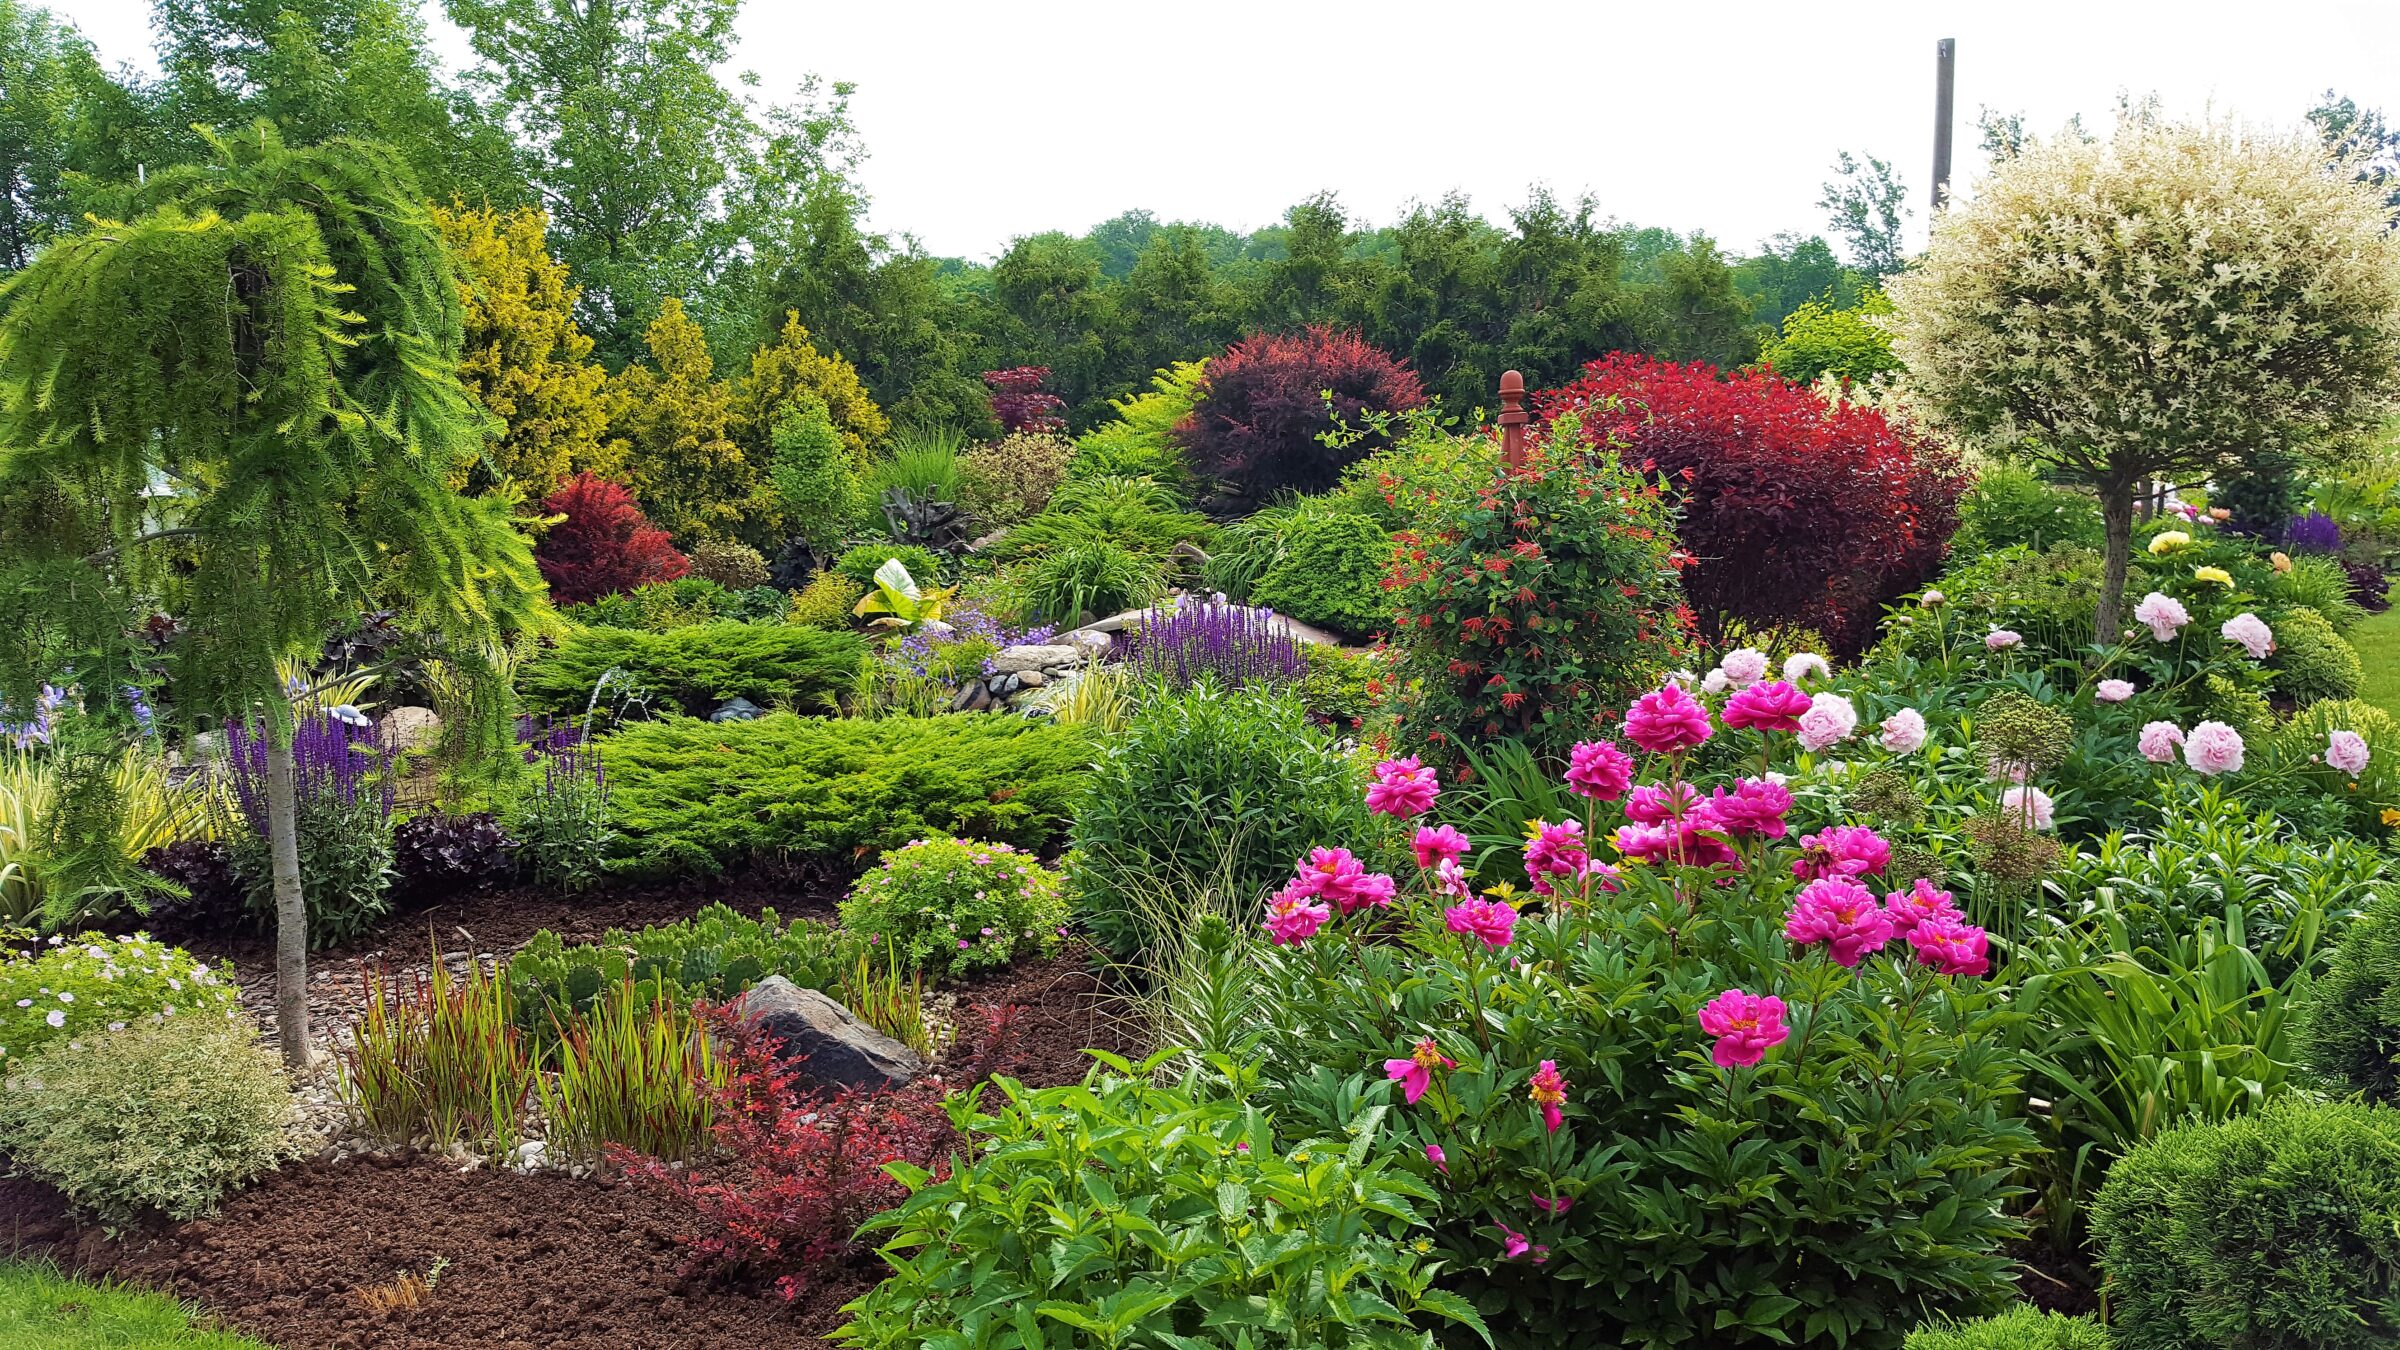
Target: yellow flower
<point>2391,817</point>
<point>2282,561</point>
<point>2167,541</point>
<point>2216,574</point>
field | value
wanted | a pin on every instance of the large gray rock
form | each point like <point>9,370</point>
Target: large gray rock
<point>409,729</point>
<point>1015,659</point>
<point>825,1041</point>
<point>737,709</point>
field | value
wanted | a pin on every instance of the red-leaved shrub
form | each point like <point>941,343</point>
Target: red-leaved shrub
<point>1020,403</point>
<point>1796,511</point>
<point>605,544</point>
<point>1262,407</point>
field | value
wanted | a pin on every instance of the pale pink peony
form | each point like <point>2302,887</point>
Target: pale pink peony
<point>2159,740</point>
<point>1744,665</point>
<point>2029,806</point>
<point>1904,731</point>
<point>2113,691</point>
<point>2001,639</point>
<point>2164,613</point>
<point>1830,719</point>
<point>1841,914</point>
<point>2252,633</point>
<point>1715,682</point>
<point>1800,665</point>
<point>1599,770</point>
<point>2213,748</point>
<point>1773,706</point>
<point>1746,1026</point>
<point>1667,721</point>
<point>2347,751</point>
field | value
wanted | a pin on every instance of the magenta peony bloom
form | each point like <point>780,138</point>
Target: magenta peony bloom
<point>2029,805</point>
<point>1555,851</point>
<point>2113,691</point>
<point>1744,665</point>
<point>1548,1089</point>
<point>1684,841</point>
<point>1830,719</point>
<point>2163,613</point>
<point>2213,748</point>
<point>1746,1026</point>
<point>1515,1245</point>
<point>1841,914</point>
<point>1754,807</point>
<point>2159,740</point>
<point>1651,803</point>
<point>2252,632</point>
<point>1599,770</point>
<point>1951,945</point>
<point>1293,917</point>
<point>2347,751</point>
<point>1904,731</point>
<point>1841,851</point>
<point>1906,909</point>
<point>1774,706</point>
<point>1435,844</point>
<point>1333,874</point>
<point>1554,1206</point>
<point>1667,721</point>
<point>1415,1073</point>
<point>1402,788</point>
<point>1492,921</point>
<point>1439,1159</point>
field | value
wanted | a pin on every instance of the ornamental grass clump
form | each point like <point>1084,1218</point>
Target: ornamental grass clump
<point>1235,645</point>
<point>439,1058</point>
<point>638,1073</point>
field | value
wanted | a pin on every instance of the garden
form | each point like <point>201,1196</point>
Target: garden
<point>522,832</point>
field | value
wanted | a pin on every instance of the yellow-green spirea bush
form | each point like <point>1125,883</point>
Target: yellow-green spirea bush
<point>950,906</point>
<point>67,989</point>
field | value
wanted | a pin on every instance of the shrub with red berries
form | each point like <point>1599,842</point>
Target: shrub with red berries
<point>1795,511</point>
<point>1263,408</point>
<point>604,546</point>
<point>1021,404</point>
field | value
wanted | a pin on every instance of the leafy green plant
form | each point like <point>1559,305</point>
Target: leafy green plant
<point>711,957</point>
<point>861,563</point>
<point>1127,1213</point>
<point>950,906</point>
<point>896,602</point>
<point>2020,1328</point>
<point>693,669</point>
<point>1135,514</point>
<point>635,1072</point>
<point>827,601</point>
<point>151,810</point>
<point>79,987</point>
<point>923,462</point>
<point>1092,578</point>
<point>439,1057</point>
<point>2350,1020</point>
<point>662,605</point>
<point>1012,478</point>
<point>2277,1231</point>
<point>1331,574</point>
<point>1140,442</point>
<point>815,484</point>
<point>694,798</point>
<point>564,825</point>
<point>2311,660</point>
<point>2010,506</point>
<point>163,1116</point>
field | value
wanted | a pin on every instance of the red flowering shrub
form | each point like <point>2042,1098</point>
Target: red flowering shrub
<point>604,546</point>
<point>1537,604</point>
<point>1794,511</point>
<point>1262,407</point>
<point>1020,403</point>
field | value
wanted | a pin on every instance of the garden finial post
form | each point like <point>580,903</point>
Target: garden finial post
<point>1512,419</point>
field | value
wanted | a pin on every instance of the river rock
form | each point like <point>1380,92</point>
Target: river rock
<point>1017,659</point>
<point>824,1041</point>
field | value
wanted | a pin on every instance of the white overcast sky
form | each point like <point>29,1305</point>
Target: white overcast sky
<point>986,121</point>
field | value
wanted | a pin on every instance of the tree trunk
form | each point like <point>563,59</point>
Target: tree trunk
<point>291,913</point>
<point>2116,518</point>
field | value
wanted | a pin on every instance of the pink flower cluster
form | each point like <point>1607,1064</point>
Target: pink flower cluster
<point>1667,721</point>
<point>1403,787</point>
<point>1843,915</point>
<point>1493,922</point>
<point>1841,851</point>
<point>1746,1026</point>
<point>1327,878</point>
<point>1599,770</point>
<point>2211,748</point>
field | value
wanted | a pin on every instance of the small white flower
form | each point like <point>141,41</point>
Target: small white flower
<point>65,997</point>
<point>56,1018</point>
<point>116,1026</point>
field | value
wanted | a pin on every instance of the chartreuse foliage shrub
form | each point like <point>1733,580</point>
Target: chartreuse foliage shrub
<point>1140,443</point>
<point>1207,789</point>
<point>2311,660</point>
<point>692,670</point>
<point>1129,1213</point>
<point>2350,1022</point>
<point>162,1116</point>
<point>697,797</point>
<point>715,955</point>
<point>2020,1328</point>
<point>92,982</point>
<point>2277,1231</point>
<point>952,906</point>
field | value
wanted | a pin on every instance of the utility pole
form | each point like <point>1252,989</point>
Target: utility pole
<point>1945,75</point>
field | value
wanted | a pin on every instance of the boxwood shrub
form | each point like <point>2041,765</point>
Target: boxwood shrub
<point>2275,1231</point>
<point>692,670</point>
<point>698,797</point>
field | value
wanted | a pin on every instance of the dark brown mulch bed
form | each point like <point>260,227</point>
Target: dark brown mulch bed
<point>2056,1281</point>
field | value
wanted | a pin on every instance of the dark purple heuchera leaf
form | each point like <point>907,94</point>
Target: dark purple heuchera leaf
<point>1234,644</point>
<point>2315,532</point>
<point>335,756</point>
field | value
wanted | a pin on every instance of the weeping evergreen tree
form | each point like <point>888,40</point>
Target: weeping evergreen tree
<point>238,409</point>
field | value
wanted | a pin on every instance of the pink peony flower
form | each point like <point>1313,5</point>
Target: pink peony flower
<point>1435,844</point>
<point>2347,751</point>
<point>1841,914</point>
<point>1841,851</point>
<point>1515,1245</point>
<point>1293,917</point>
<point>1746,1026</point>
<point>2113,691</point>
<point>1951,945</point>
<point>1489,920</point>
<point>1744,665</point>
<point>1829,720</point>
<point>1439,1159</point>
<point>1667,721</point>
<point>1906,909</point>
<point>2030,805</point>
<point>2159,740</point>
<point>2001,639</point>
<point>1333,874</point>
<point>1774,706</point>
<point>1554,851</point>
<point>1755,807</point>
<point>1553,1206</point>
<point>1715,682</point>
<point>1450,879</point>
<point>1415,1073</point>
<point>2164,613</point>
<point>1904,731</point>
<point>1599,770</point>
<point>2213,748</point>
<point>1801,665</point>
<point>2252,632</point>
<point>1682,842</point>
<point>1651,803</point>
<point>1548,1088</point>
<point>1402,788</point>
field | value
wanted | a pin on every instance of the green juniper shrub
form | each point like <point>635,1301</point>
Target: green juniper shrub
<point>2020,1328</point>
<point>662,605</point>
<point>1239,1238</point>
<point>859,563</point>
<point>692,670</point>
<point>699,798</point>
<point>2311,660</point>
<point>829,600</point>
<point>2276,1231</point>
<point>1207,789</point>
<point>1331,575</point>
<point>713,956</point>
<point>78,987</point>
<point>814,477</point>
<point>953,906</point>
<point>2349,1029</point>
<point>163,1116</point>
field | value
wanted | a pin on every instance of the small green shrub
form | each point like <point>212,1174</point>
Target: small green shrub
<point>165,1116</point>
<point>1091,578</point>
<point>827,601</point>
<point>563,823</point>
<point>697,798</point>
<point>692,670</point>
<point>1343,686</point>
<point>1131,1214</point>
<point>1012,478</point>
<point>1136,514</point>
<point>2009,506</point>
<point>814,477</point>
<point>950,906</point>
<point>661,605</point>
<point>1331,575</point>
<point>714,955</point>
<point>1140,442</point>
<point>2350,1021</point>
<point>2311,660</point>
<point>2319,582</point>
<point>2020,1328</point>
<point>736,567</point>
<point>859,564</point>
<point>2276,1231</point>
<point>92,982</point>
<point>346,867</point>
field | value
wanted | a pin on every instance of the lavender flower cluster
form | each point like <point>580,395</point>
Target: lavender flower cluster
<point>1233,644</point>
<point>2314,532</point>
<point>334,759</point>
<point>967,624</point>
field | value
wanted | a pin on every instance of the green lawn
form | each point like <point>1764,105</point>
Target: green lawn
<point>2378,643</point>
<point>40,1307</point>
